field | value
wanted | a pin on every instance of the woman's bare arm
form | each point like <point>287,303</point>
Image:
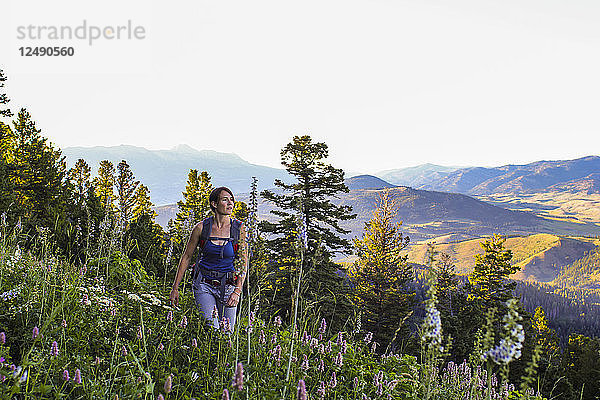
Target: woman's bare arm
<point>184,262</point>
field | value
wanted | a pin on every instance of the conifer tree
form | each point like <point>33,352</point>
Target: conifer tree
<point>310,199</point>
<point>142,204</point>
<point>6,186</point>
<point>381,275</point>
<point>491,272</point>
<point>126,186</point>
<point>145,238</point>
<point>37,172</point>
<point>195,205</point>
<point>240,211</point>
<point>6,112</point>
<point>104,184</point>
<point>79,176</point>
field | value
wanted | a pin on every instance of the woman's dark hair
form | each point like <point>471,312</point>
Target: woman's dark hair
<point>214,196</point>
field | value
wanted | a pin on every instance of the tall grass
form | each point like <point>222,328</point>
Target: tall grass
<point>105,330</point>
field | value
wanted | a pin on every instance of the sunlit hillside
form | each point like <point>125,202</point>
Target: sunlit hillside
<point>541,257</point>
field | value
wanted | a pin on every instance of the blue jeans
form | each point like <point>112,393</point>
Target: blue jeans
<point>208,297</point>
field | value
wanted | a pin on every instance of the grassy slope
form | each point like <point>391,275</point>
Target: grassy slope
<point>540,256</point>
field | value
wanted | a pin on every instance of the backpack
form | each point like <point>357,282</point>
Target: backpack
<point>234,237</point>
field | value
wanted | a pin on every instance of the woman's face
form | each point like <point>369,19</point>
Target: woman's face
<point>225,204</point>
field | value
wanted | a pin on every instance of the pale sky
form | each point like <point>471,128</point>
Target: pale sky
<point>386,84</point>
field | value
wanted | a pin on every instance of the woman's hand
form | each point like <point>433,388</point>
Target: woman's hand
<point>234,299</point>
<point>174,297</point>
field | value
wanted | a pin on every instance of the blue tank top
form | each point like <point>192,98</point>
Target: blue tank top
<point>211,257</point>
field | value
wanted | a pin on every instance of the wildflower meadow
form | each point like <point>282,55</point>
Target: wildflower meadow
<point>105,330</point>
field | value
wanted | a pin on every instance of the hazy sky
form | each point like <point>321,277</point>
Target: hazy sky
<point>386,84</point>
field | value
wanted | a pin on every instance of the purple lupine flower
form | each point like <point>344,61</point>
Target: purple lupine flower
<point>339,359</point>
<point>168,384</point>
<point>368,337</point>
<point>274,338</point>
<point>227,325</point>
<point>314,343</point>
<point>77,377</point>
<point>333,381</point>
<point>344,347</point>
<point>322,348</point>
<point>139,332</point>
<point>278,321</point>
<point>183,322</point>
<point>225,394</point>
<point>54,350</point>
<point>238,381</point>
<point>66,375</point>
<point>170,316</point>
<point>379,390</point>
<point>320,337</point>
<point>194,343</point>
<point>35,333</point>
<point>321,366</point>
<point>302,390</point>
<point>262,339</point>
<point>161,347</point>
<point>160,397</point>
<point>328,348</point>
<point>321,390</point>
<point>339,339</point>
<point>323,326</point>
<point>277,352</point>
<point>2,338</point>
<point>304,365</point>
<point>355,382</point>
<point>124,350</point>
<point>85,300</point>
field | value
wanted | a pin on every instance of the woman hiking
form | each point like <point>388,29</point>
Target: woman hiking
<point>216,284</point>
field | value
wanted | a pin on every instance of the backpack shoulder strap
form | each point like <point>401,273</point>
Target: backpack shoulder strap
<point>204,235</point>
<point>234,234</point>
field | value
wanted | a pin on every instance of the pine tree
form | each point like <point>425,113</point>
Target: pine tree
<point>145,238</point>
<point>195,205</point>
<point>37,172</point>
<point>491,272</point>
<point>6,186</point>
<point>382,275</point>
<point>447,283</point>
<point>4,98</point>
<point>308,199</point>
<point>240,211</point>
<point>104,184</point>
<point>143,204</point>
<point>126,186</point>
<point>79,176</point>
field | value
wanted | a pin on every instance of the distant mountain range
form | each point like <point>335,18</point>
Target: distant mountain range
<point>582,174</point>
<point>165,171</point>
